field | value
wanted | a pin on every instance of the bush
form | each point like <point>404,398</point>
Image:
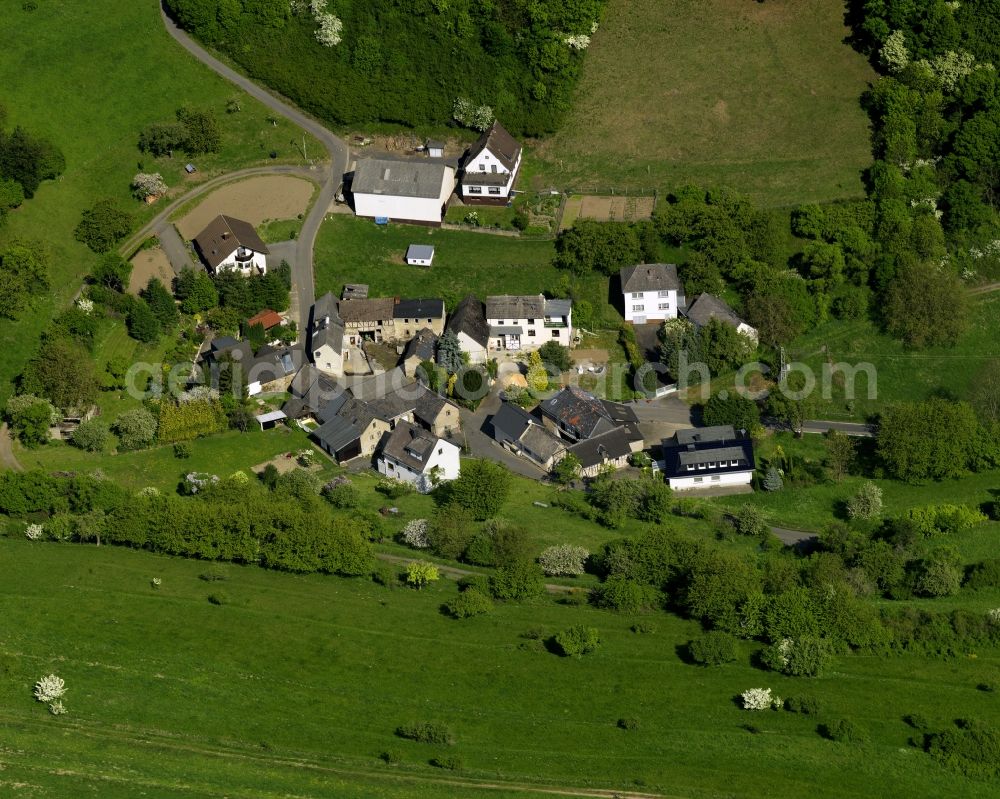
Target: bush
<point>866,504</point>
<point>757,699</point>
<point>713,649</point>
<point>985,574</point>
<point>219,598</point>
<point>449,762</point>
<point>750,520</point>
<point>182,450</point>
<point>563,560</point>
<point>135,429</point>
<point>805,656</point>
<point>103,226</point>
<point>391,756</point>
<point>971,747</point>
<point>628,724</point>
<point>576,641</point>
<point>516,581</point>
<point>384,574</point>
<point>393,489</point>
<point>804,704</point>
<point>624,595</point>
<point>844,731</point>
<point>343,496</point>
<point>92,436</point>
<point>426,732</point>
<point>469,603</point>
<point>643,628</point>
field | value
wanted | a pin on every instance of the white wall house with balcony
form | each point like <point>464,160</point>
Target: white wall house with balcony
<point>490,168</point>
<point>525,323</point>
<point>230,244</point>
<point>651,293</point>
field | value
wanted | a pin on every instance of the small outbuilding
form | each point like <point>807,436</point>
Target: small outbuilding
<point>271,419</point>
<point>420,255</point>
<point>435,148</point>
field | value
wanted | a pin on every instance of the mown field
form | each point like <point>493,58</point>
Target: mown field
<point>760,97</point>
<point>89,77</point>
<point>295,686</point>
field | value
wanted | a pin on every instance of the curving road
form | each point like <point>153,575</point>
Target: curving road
<point>302,271</point>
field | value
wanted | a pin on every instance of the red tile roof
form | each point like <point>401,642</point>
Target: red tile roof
<point>267,318</point>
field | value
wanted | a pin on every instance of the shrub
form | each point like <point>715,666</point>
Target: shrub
<point>516,581</point>
<point>844,731</point>
<point>469,603</point>
<point>985,574</point>
<point>384,574</point>
<point>414,534</point>
<point>182,450</point>
<point>750,520</point>
<point>563,559</point>
<point>971,747</point>
<point>624,595</point>
<point>393,489</point>
<point>805,656</point>
<point>343,495</point>
<point>420,573</point>
<point>628,724</point>
<point>92,435</point>
<point>576,641</point>
<point>219,598</point>
<point>946,519</point>
<point>391,756</point>
<point>426,732</point>
<point>757,699</point>
<point>135,429</point>
<point>805,704</point>
<point>643,628</point>
<point>449,762</point>
<point>213,575</point>
<point>866,504</point>
<point>713,649</point>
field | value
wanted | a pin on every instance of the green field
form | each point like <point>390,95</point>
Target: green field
<point>761,97</point>
<point>89,77</point>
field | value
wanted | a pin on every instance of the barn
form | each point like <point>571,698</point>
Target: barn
<point>402,191</point>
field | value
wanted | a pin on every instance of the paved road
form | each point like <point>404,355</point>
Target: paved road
<point>850,428</point>
<point>302,271</point>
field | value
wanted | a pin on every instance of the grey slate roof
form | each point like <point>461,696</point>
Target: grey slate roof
<point>539,441</point>
<point>324,334</point>
<point>410,446</point>
<point>650,277</point>
<point>422,252</point>
<point>695,435</point>
<point>701,446</point>
<point>468,318</point>
<point>354,291</point>
<point>710,455</point>
<point>399,178</point>
<point>708,307</point>
<point>580,411</point>
<point>511,420</point>
<point>421,346</point>
<point>558,307</point>
<point>338,433</point>
<point>225,234</point>
<point>431,308</point>
<point>500,143</point>
<point>608,446</point>
<point>507,306</point>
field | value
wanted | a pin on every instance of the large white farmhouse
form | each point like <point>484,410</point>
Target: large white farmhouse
<point>491,168</point>
<point>651,293</point>
<point>418,457</point>
<point>526,323</point>
<point>402,191</point>
<point>229,244</point>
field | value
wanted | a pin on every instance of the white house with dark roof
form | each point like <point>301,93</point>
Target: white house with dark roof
<point>230,244</point>
<point>708,457</point>
<point>490,168</point>
<point>708,307</point>
<point>418,457</point>
<point>525,323</point>
<point>468,323</point>
<point>326,336</point>
<point>402,191</point>
<point>651,293</point>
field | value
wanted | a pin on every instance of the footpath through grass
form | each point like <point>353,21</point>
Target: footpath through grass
<point>89,77</point>
<point>295,685</point>
<point>760,97</point>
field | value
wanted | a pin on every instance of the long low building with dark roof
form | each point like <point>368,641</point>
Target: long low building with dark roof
<point>708,457</point>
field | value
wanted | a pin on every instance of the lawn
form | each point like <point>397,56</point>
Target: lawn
<point>760,97</point>
<point>296,684</point>
<point>89,77</point>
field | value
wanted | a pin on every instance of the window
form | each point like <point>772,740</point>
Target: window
<point>636,295</point>
<point>699,479</point>
<point>531,321</point>
<point>493,168</point>
<point>555,334</point>
<point>663,294</point>
<point>711,464</point>
<point>482,167</point>
<point>475,189</point>
<point>499,322</point>
<point>715,478</point>
<point>701,466</point>
<point>638,307</point>
<point>664,306</point>
<point>734,462</point>
<point>494,189</point>
<point>531,332</point>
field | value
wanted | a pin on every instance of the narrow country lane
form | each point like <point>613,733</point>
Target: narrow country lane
<point>302,274</point>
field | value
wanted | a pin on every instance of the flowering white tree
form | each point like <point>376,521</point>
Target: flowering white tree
<point>50,688</point>
<point>577,41</point>
<point>467,113</point>
<point>867,503</point>
<point>993,614</point>
<point>148,185</point>
<point>330,30</point>
<point>85,305</point>
<point>757,699</point>
<point>415,534</point>
<point>563,559</point>
<point>34,532</point>
<point>894,54</point>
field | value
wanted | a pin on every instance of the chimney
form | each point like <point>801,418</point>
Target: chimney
<point>326,321</point>
<point>395,300</point>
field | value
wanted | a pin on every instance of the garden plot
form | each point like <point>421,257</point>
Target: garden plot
<point>253,200</point>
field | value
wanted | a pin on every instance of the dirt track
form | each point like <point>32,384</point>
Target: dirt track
<point>254,200</point>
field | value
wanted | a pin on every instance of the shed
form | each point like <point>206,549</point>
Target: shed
<point>419,255</point>
<point>435,148</point>
<point>269,420</point>
<point>355,291</point>
<point>266,319</point>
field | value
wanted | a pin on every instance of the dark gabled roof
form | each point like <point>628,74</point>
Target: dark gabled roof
<point>582,412</point>
<point>539,441</point>
<point>705,445</point>
<point>425,308</point>
<point>470,319</point>
<point>421,346</point>
<point>326,333</point>
<point>708,307</point>
<point>513,306</point>
<point>621,414</point>
<point>223,343</point>
<point>372,309</point>
<point>332,407</point>
<point>399,178</point>
<point>511,420</point>
<point>313,387</point>
<point>608,446</point>
<point>429,405</point>
<point>410,445</point>
<point>338,433</point>
<point>295,408</point>
<point>325,306</point>
<point>273,364</point>
<point>500,143</point>
<point>223,235</point>
<point>650,277</point>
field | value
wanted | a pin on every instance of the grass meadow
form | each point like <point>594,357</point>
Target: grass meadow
<point>90,77</point>
<point>295,685</point>
<point>760,97</point>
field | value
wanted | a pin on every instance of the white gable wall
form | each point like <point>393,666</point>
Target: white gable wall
<point>645,306</point>
<point>258,263</point>
<point>414,209</point>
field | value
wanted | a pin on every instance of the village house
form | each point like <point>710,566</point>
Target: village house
<point>468,323</point>
<point>490,168</point>
<point>651,293</point>
<point>519,432</point>
<point>394,394</point>
<point>420,255</point>
<point>327,336</point>
<point>402,191</point>
<point>229,244</point>
<point>525,323</point>
<point>349,429</point>
<point>267,319</point>
<point>367,320</point>
<point>578,415</point>
<point>422,347</point>
<point>418,457</point>
<point>707,457</point>
<point>708,307</point>
<point>270,370</point>
<point>612,448</point>
<point>412,316</point>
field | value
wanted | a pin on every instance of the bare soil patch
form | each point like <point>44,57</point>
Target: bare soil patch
<point>149,264</point>
<point>253,200</point>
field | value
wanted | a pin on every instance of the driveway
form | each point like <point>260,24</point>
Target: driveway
<point>173,245</point>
